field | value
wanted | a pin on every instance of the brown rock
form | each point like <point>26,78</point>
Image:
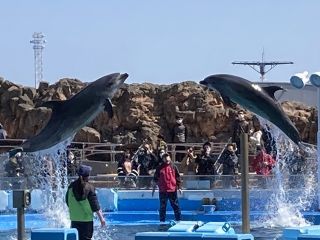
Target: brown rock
<point>140,111</point>
<point>30,92</point>
<point>88,134</point>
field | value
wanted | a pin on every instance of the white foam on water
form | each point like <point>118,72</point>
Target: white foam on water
<point>292,194</point>
<point>47,170</point>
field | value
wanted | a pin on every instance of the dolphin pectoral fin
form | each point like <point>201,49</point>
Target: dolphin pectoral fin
<point>270,90</point>
<point>228,101</point>
<point>108,107</point>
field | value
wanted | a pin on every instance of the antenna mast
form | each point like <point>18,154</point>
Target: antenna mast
<point>38,46</point>
<point>262,65</point>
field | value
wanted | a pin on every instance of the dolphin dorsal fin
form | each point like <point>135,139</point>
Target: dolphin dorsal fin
<point>54,105</point>
<point>270,90</point>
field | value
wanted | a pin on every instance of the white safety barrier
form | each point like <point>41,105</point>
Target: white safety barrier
<point>4,200</point>
<point>36,200</point>
<point>108,199</point>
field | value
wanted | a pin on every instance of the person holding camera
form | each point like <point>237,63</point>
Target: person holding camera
<point>205,161</point>
<point>229,161</point>
<point>127,171</point>
<point>188,162</point>
<point>147,162</point>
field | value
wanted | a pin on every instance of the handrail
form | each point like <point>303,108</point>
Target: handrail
<point>197,182</point>
<point>87,149</point>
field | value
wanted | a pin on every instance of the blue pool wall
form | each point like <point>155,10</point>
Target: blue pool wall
<point>112,200</point>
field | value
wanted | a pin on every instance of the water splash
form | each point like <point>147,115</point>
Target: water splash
<point>102,233</point>
<point>47,171</point>
<point>293,185</point>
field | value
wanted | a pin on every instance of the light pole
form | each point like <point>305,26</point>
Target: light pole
<point>298,81</point>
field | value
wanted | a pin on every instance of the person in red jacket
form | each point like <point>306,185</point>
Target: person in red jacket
<point>263,162</point>
<point>167,177</point>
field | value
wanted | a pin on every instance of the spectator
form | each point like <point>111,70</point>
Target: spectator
<point>240,126</point>
<point>263,162</point>
<point>205,162</point>
<point>127,171</point>
<point>82,202</point>
<point>229,161</point>
<point>269,143</point>
<point>179,135</point>
<point>3,132</point>
<point>296,163</point>
<point>14,166</point>
<point>147,162</point>
<point>71,164</point>
<point>255,138</point>
<point>188,162</point>
<point>161,145</point>
<point>167,178</point>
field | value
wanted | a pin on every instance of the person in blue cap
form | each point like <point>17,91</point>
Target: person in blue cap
<point>83,202</point>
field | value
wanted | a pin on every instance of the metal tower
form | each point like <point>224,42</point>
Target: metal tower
<point>38,46</point>
<point>262,65</point>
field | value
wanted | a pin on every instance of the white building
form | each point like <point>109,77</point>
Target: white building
<point>306,95</point>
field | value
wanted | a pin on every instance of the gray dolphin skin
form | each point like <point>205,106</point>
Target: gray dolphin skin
<point>259,100</point>
<point>71,115</point>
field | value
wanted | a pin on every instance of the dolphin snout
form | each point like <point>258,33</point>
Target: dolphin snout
<point>123,77</point>
<point>203,82</point>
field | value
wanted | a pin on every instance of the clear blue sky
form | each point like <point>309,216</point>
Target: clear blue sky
<point>165,41</point>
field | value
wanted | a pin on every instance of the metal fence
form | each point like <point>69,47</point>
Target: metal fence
<point>109,151</point>
<point>189,182</point>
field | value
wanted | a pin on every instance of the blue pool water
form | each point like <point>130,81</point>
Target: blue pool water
<point>118,228</point>
<point>128,231</point>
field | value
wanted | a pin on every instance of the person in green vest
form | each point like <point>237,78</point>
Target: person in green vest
<point>83,202</point>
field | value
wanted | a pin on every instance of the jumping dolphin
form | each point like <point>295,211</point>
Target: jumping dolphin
<point>71,115</point>
<point>259,100</point>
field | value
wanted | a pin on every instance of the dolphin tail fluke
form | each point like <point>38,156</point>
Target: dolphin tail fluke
<point>14,151</point>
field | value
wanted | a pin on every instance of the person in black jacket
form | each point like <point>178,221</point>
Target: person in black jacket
<point>205,161</point>
<point>205,164</point>
<point>240,126</point>
<point>147,163</point>
<point>179,135</point>
<point>229,161</point>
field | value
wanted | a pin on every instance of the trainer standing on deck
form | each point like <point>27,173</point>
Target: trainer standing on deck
<point>167,177</point>
<point>82,202</point>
